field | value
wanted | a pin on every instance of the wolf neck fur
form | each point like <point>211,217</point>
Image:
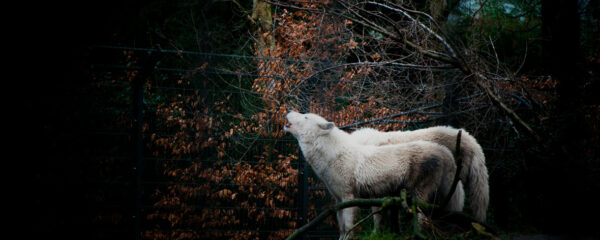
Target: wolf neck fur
<point>324,157</point>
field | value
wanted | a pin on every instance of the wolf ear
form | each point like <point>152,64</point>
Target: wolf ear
<point>326,126</point>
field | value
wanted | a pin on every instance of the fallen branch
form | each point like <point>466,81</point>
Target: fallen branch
<point>333,209</point>
<point>400,202</point>
<point>385,203</point>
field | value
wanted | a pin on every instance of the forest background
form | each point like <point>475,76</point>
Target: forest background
<point>524,81</point>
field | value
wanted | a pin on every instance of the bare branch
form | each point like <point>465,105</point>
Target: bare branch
<point>389,116</point>
<point>507,110</point>
<point>429,30</point>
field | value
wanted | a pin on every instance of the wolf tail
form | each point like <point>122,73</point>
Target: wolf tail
<point>477,184</point>
<point>457,201</point>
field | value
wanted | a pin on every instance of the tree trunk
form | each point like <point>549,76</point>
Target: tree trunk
<point>561,45</point>
<point>263,20</point>
<point>560,31</point>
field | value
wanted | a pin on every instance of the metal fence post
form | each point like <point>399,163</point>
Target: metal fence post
<point>302,193</point>
<point>138,105</point>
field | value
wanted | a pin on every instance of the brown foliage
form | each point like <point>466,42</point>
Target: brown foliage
<point>231,170</point>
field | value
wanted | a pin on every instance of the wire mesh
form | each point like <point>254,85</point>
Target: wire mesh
<point>216,163</point>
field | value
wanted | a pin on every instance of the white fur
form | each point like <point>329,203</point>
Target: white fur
<point>351,170</point>
<point>474,173</point>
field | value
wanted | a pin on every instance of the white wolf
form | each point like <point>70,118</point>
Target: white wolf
<point>351,170</point>
<point>474,173</point>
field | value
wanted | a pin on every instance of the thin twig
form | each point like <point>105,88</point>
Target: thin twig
<point>495,54</point>
<point>347,235</point>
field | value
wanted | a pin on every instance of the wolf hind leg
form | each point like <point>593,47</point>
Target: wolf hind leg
<point>340,220</point>
<point>376,219</point>
<point>348,215</point>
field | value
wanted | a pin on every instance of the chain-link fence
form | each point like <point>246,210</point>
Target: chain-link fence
<point>190,147</point>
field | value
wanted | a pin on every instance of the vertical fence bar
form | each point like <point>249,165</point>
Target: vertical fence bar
<point>302,193</point>
<point>139,145</point>
<point>138,105</point>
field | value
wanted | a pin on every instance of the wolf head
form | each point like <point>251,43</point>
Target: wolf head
<point>308,126</point>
